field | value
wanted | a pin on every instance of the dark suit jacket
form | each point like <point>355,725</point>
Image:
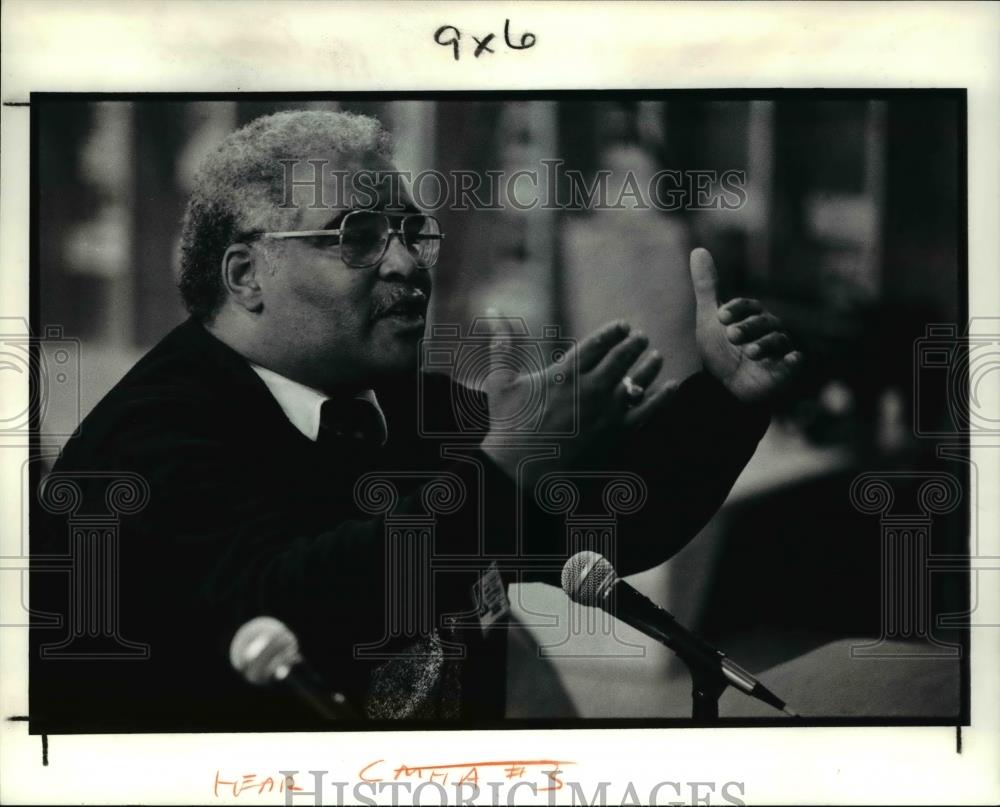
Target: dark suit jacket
<point>246,516</point>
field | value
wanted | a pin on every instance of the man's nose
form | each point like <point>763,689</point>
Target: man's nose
<point>398,261</point>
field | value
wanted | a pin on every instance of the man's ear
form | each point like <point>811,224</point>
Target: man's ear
<point>239,275</point>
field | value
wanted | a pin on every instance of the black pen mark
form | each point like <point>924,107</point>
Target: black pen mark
<point>483,44</point>
<point>45,737</point>
<point>527,39</point>
<point>450,37</point>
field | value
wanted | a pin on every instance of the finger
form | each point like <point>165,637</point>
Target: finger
<point>591,349</point>
<point>705,279</point>
<point>645,370</point>
<point>737,309</point>
<point>752,328</point>
<point>654,401</point>
<point>783,369</point>
<point>643,373</point>
<point>622,356</point>
<point>793,361</point>
<point>772,346</point>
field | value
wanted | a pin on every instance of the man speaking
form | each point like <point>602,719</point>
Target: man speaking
<point>256,424</point>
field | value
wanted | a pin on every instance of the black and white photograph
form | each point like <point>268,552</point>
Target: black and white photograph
<point>358,381</point>
<point>412,413</point>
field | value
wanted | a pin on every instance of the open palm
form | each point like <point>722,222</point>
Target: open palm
<point>741,344</point>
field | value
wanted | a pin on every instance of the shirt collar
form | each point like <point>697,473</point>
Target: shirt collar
<point>302,404</point>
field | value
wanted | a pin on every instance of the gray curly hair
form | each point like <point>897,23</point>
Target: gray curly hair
<point>239,186</point>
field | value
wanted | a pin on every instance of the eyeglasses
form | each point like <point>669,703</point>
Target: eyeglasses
<point>364,237</point>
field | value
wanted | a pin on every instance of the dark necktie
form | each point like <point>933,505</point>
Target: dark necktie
<point>350,422</point>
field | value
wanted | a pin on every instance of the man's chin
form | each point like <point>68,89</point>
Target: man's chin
<point>400,357</point>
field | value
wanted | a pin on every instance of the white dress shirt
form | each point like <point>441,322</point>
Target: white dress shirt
<point>302,404</point>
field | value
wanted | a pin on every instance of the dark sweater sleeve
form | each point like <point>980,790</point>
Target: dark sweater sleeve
<point>689,455</point>
<point>249,553</point>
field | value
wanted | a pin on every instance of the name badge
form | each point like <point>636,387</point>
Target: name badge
<point>490,597</point>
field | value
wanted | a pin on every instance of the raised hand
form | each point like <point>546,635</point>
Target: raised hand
<point>741,344</point>
<point>585,389</point>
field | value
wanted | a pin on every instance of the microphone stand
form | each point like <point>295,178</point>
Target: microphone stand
<point>711,670</point>
<point>707,686</point>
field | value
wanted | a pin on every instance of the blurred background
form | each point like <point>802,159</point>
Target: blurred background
<point>850,233</point>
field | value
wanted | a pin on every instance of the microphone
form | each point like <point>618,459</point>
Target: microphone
<point>265,652</point>
<point>589,579</point>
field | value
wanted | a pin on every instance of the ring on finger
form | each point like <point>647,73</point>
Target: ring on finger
<point>633,391</point>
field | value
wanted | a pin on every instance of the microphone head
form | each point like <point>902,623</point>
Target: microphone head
<point>587,576</point>
<point>264,650</point>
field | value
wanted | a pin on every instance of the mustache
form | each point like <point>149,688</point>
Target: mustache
<point>410,297</point>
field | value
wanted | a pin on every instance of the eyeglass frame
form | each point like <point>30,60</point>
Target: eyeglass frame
<point>289,234</point>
